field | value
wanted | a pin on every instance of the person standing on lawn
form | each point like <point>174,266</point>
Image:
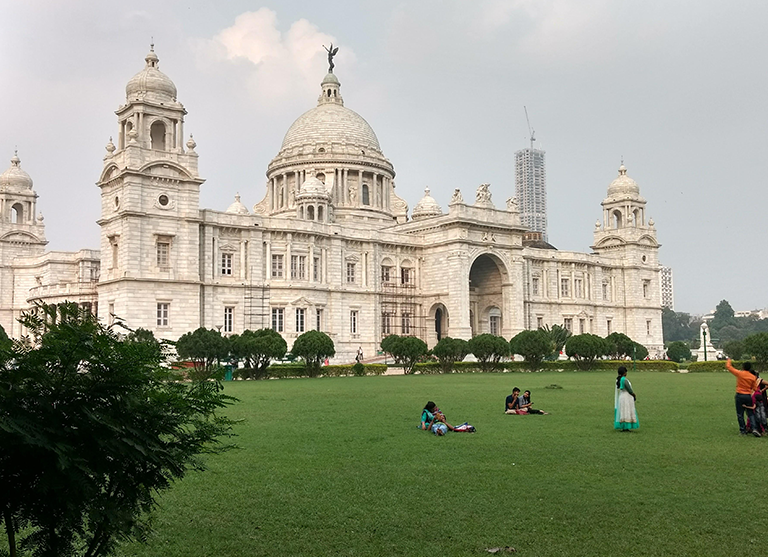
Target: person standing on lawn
<point>624,412</point>
<point>746,383</point>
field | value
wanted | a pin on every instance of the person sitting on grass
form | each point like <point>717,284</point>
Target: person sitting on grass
<point>432,419</point>
<point>512,403</point>
<point>525,404</point>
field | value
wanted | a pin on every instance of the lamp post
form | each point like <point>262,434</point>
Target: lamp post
<point>704,340</point>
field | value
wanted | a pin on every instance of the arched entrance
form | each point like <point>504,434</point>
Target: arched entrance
<point>486,302</point>
<point>438,324</point>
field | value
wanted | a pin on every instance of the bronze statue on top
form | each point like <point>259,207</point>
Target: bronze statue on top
<point>331,53</point>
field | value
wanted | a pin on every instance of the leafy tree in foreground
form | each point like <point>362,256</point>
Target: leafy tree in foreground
<point>640,352</point>
<point>449,350</point>
<point>406,351</point>
<point>678,351</point>
<point>585,349</point>
<point>489,350</point>
<point>258,349</point>
<point>313,347</point>
<point>534,346</point>
<point>147,337</point>
<point>92,428</point>
<point>206,348</point>
<point>5,342</point>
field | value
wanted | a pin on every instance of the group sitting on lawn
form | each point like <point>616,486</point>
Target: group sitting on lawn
<point>432,419</point>
<point>520,404</point>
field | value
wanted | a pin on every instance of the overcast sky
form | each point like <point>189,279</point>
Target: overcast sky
<point>678,88</point>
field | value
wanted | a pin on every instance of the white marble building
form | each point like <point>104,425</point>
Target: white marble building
<point>331,246</point>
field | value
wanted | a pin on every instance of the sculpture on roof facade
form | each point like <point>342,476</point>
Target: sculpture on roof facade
<point>483,196</point>
<point>456,197</point>
<point>331,53</point>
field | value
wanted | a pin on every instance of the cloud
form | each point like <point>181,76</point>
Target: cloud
<point>279,65</point>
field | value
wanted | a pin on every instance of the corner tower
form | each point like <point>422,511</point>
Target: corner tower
<point>150,191</point>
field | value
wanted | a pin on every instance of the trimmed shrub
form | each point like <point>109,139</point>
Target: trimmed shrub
<point>678,351</point>
<point>697,367</point>
<point>534,346</point>
<point>489,350</point>
<point>358,369</point>
<point>585,349</point>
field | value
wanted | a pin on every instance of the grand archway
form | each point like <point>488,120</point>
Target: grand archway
<point>437,324</point>
<point>487,276</point>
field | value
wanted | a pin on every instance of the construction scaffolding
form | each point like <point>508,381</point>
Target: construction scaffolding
<point>401,311</point>
<point>256,305</point>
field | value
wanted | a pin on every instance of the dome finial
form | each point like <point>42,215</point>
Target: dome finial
<point>151,44</point>
<point>622,168</point>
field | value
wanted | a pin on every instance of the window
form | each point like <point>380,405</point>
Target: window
<point>568,324</point>
<point>229,319</point>
<point>163,309</point>
<point>316,269</point>
<point>300,314</point>
<point>405,323</point>
<point>582,326</point>
<point>157,135</point>
<point>606,292</point>
<point>163,252</point>
<point>648,327</point>
<point>277,266</point>
<point>535,286</point>
<point>353,322</point>
<point>494,323</point>
<point>565,288</point>
<point>278,318</point>
<point>318,319</point>
<point>406,275</point>
<point>386,323</point>
<point>351,273</point>
<point>226,263</point>
<point>646,288</point>
<point>366,195</point>
<point>386,273</point>
<point>115,252</point>
<point>609,326</point>
<point>578,288</point>
<point>298,265</point>
<point>539,322</point>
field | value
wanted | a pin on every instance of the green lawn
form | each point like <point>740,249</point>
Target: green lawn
<point>337,467</point>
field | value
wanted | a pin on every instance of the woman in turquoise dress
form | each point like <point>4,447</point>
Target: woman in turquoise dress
<point>625,414</point>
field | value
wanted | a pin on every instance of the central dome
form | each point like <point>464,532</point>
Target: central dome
<point>331,123</point>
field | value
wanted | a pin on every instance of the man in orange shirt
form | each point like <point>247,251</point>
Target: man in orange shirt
<point>746,382</point>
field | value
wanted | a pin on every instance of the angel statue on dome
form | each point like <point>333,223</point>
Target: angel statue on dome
<point>331,53</point>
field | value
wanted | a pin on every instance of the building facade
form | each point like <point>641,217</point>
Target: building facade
<point>667,288</point>
<point>531,189</point>
<point>331,246</point>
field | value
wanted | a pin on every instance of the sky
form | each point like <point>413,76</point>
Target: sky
<point>677,88</point>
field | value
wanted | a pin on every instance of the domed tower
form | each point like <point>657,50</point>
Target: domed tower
<point>150,191</point>
<point>426,207</point>
<point>341,150</point>
<point>20,225</point>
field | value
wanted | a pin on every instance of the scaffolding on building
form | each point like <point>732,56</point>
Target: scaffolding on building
<point>256,305</point>
<point>401,311</point>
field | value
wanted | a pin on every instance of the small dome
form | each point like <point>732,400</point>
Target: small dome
<point>238,208</point>
<point>312,187</point>
<point>623,185</point>
<point>330,78</point>
<point>426,207</point>
<point>15,177</point>
<point>150,83</point>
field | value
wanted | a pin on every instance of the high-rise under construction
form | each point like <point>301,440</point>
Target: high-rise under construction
<point>531,189</point>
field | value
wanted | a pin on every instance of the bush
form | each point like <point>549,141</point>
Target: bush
<point>534,346</point>
<point>313,347</point>
<point>697,367</point>
<point>757,346</point>
<point>678,351</point>
<point>450,350</point>
<point>489,350</point>
<point>406,351</point>
<point>358,369</point>
<point>585,349</point>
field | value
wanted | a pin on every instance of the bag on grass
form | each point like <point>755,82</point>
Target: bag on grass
<point>464,428</point>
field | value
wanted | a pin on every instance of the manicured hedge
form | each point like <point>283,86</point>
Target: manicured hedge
<point>698,367</point>
<point>557,365</point>
<point>282,371</point>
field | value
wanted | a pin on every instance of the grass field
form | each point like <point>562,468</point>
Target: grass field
<point>337,467</point>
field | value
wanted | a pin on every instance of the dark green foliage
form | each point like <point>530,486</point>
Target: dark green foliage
<point>534,346</point>
<point>205,348</point>
<point>757,346</point>
<point>489,350</point>
<point>450,350</point>
<point>313,347</point>
<point>358,369</point>
<point>734,349</point>
<point>678,351</point>
<point>284,371</point>
<point>558,336</point>
<point>585,349</point>
<point>257,349</point>
<point>620,346</point>
<point>640,352</point>
<point>5,342</point>
<point>92,427</point>
<point>406,351</point>
<point>710,366</point>
<point>678,326</point>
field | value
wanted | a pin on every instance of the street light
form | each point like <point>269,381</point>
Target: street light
<point>704,340</point>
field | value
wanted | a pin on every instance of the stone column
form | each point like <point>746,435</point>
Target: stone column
<point>287,263</point>
<point>311,262</point>
<point>268,262</point>
<point>345,187</point>
<point>181,134</point>
<point>243,259</point>
<point>458,295</point>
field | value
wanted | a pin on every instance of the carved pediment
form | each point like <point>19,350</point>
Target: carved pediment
<point>302,302</point>
<point>18,237</point>
<point>610,241</point>
<point>166,169</point>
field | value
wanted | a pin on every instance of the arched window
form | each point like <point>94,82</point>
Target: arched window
<point>616,218</point>
<point>366,195</point>
<point>320,213</point>
<point>636,218</point>
<point>17,213</point>
<point>157,135</point>
<point>301,213</point>
<point>310,213</point>
<point>494,321</point>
